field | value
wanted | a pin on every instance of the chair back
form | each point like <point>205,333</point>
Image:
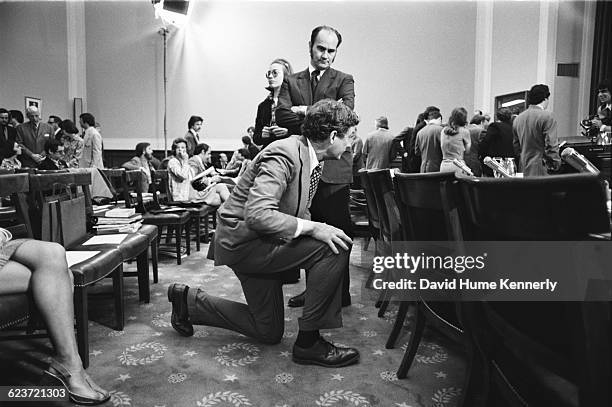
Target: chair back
<point>116,177</point>
<point>388,214</point>
<point>16,186</point>
<point>160,187</point>
<point>559,207</point>
<point>370,200</point>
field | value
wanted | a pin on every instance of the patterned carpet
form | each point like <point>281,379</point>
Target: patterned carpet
<point>149,364</point>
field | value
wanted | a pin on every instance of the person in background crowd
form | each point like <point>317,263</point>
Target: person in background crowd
<point>497,140</point>
<point>377,145</point>
<point>455,140</point>
<point>179,171</point>
<point>266,130</point>
<point>603,120</point>
<point>91,155</point>
<point>54,122</point>
<point>39,268</point>
<point>414,161</point>
<point>535,135</point>
<point>477,131</point>
<point>428,146</point>
<point>73,143</point>
<point>32,136</point>
<point>222,161</point>
<point>233,168</point>
<point>8,135</point>
<point>250,131</point>
<point>264,229</point>
<point>214,193</point>
<point>252,148</point>
<point>16,118</point>
<point>12,162</point>
<point>192,137</point>
<point>358,161</point>
<point>142,161</point>
<point>54,154</point>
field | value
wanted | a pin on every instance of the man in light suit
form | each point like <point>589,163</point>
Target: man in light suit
<point>264,228</point>
<point>535,135</point>
<point>32,136</point>
<point>299,91</point>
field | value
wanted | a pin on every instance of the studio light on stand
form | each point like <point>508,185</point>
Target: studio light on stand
<point>173,14</point>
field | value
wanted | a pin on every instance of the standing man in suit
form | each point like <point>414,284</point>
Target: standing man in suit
<point>194,125</point>
<point>299,91</point>
<point>8,135</point>
<point>535,135</point>
<point>264,228</point>
<point>427,145</point>
<point>603,120</point>
<point>54,122</point>
<point>91,155</point>
<point>377,145</point>
<point>32,136</point>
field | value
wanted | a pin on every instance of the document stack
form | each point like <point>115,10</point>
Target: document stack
<point>118,220</point>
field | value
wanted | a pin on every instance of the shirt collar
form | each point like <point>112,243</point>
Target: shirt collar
<point>193,132</point>
<point>314,161</point>
<point>312,68</point>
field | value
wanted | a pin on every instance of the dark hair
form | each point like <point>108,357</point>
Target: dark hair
<point>175,144</point>
<point>3,110</point>
<point>244,152</point>
<point>605,84</point>
<point>193,120</point>
<point>317,30</point>
<point>17,115</point>
<point>201,147</point>
<point>382,122</point>
<point>55,119</point>
<point>141,147</point>
<point>435,114</point>
<point>537,94</point>
<point>504,115</point>
<point>477,119</point>
<point>247,140</point>
<point>69,127</point>
<point>52,145</point>
<point>326,116</point>
<point>250,128</point>
<point>88,118</point>
<point>458,118</point>
<point>287,69</point>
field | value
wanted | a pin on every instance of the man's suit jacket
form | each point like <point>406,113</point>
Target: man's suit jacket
<point>136,163</point>
<point>91,155</point>
<point>263,119</point>
<point>496,142</point>
<point>191,142</point>
<point>428,147</point>
<point>535,138</point>
<point>604,114</point>
<point>48,164</point>
<point>296,91</point>
<point>265,204</point>
<point>7,144</point>
<point>32,141</point>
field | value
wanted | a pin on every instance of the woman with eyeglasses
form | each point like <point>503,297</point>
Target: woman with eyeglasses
<point>266,130</point>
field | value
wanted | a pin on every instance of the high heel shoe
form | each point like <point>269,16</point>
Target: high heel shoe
<point>60,373</point>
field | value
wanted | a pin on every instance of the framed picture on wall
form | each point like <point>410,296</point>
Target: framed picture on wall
<point>32,101</point>
<point>77,109</point>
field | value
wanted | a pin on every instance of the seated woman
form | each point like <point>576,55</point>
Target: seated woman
<point>179,171</point>
<point>40,268</point>
<point>12,162</point>
<point>73,143</point>
<point>214,194</point>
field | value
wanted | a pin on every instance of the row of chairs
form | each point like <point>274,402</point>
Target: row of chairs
<point>518,353</point>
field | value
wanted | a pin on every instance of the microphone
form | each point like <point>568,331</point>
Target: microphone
<point>578,161</point>
<point>494,165</point>
<point>461,165</point>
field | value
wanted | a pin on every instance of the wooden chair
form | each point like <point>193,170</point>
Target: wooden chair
<point>547,353</point>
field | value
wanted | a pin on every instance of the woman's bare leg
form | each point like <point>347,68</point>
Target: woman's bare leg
<point>41,267</point>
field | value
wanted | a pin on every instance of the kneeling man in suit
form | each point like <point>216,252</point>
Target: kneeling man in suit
<point>264,228</point>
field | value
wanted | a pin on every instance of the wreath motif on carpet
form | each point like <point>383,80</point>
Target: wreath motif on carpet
<point>442,397</point>
<point>334,396</point>
<point>236,399</point>
<point>223,357</point>
<point>433,353</point>
<point>157,351</point>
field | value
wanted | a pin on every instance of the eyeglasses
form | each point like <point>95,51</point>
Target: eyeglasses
<point>274,73</point>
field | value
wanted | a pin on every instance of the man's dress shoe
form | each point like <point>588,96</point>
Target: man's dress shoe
<point>326,354</point>
<point>177,295</point>
<point>298,301</point>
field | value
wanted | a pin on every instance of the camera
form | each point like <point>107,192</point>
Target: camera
<point>589,130</point>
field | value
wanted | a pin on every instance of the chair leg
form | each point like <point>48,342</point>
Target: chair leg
<point>413,344</point>
<point>384,299</point>
<point>188,237</point>
<point>198,232</point>
<point>168,234</point>
<point>142,264</point>
<point>154,258</point>
<point>366,244</point>
<point>82,327</point>
<point>206,229</point>
<point>397,326</point>
<point>177,237</point>
<point>118,294</point>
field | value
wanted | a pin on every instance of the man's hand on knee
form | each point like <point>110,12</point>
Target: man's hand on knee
<point>328,234</point>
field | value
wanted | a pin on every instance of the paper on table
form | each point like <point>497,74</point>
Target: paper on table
<point>74,257</point>
<point>106,239</point>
